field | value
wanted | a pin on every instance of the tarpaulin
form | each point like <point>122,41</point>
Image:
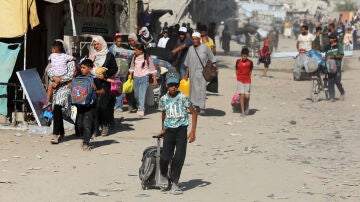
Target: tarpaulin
<point>15,16</point>
<point>8,58</point>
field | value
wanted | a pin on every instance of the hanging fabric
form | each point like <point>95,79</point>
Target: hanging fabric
<point>8,56</point>
<point>15,16</point>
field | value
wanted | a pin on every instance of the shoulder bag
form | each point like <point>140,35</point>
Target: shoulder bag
<point>209,71</point>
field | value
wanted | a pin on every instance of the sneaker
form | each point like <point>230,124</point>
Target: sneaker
<point>175,190</point>
<point>140,113</point>
<point>332,99</point>
<point>202,112</point>
<point>119,109</point>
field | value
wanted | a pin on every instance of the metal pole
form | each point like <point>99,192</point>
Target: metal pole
<point>25,38</point>
<point>23,94</point>
<point>72,18</point>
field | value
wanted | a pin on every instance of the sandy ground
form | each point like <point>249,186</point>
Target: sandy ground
<point>287,149</point>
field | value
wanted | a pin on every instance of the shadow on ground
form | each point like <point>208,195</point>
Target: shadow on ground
<point>214,112</point>
<point>212,94</point>
<point>100,143</point>
<point>120,126</point>
<point>250,113</point>
<point>191,184</point>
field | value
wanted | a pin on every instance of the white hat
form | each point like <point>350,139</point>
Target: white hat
<point>222,22</point>
<point>133,36</point>
<point>196,34</point>
<point>183,29</point>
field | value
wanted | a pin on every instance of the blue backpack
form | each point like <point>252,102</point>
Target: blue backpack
<point>82,91</point>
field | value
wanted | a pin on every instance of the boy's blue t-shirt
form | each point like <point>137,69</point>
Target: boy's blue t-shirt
<point>175,109</point>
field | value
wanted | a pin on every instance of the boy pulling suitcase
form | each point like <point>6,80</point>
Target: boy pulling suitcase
<point>174,121</point>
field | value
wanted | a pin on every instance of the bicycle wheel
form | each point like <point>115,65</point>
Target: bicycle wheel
<point>326,89</point>
<point>315,90</point>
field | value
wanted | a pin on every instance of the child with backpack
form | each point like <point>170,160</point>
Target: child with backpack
<point>84,98</point>
<point>244,68</point>
<point>265,56</point>
<point>174,119</point>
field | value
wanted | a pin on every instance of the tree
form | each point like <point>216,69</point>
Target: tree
<point>347,5</point>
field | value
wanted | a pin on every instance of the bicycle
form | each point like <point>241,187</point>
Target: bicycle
<point>319,84</point>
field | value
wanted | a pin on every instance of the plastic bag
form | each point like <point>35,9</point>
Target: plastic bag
<point>128,85</point>
<point>184,87</point>
<point>149,98</point>
<point>331,66</point>
<point>39,130</point>
<point>116,87</point>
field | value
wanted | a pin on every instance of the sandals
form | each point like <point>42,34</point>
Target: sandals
<point>86,147</point>
<point>45,106</point>
<point>175,190</point>
<point>56,139</point>
<point>163,183</point>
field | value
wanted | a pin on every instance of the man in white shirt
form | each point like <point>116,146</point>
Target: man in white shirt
<point>305,40</point>
<point>164,39</point>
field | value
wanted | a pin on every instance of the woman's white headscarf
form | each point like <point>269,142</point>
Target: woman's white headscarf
<point>98,56</point>
<point>147,32</point>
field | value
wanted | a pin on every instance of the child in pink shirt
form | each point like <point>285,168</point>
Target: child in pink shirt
<point>140,68</point>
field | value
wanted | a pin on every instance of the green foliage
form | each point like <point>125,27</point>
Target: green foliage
<point>347,5</point>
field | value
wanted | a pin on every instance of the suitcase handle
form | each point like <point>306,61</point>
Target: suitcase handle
<point>158,136</point>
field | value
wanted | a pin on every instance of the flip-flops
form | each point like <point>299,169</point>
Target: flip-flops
<point>163,183</point>
<point>175,190</point>
<point>56,139</point>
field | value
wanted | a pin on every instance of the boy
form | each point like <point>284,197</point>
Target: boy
<point>244,68</point>
<point>174,122</point>
<point>334,51</point>
<point>85,114</point>
<point>164,39</point>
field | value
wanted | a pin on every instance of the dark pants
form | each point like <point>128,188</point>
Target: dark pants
<point>174,139</point>
<point>84,123</point>
<point>355,40</point>
<point>105,110</point>
<point>130,97</point>
<point>335,79</point>
<point>58,124</point>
